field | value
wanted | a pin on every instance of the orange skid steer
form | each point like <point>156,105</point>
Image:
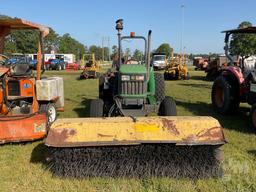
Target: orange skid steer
<point>28,104</point>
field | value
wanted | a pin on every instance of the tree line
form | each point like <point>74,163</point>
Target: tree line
<point>25,41</point>
<point>243,45</point>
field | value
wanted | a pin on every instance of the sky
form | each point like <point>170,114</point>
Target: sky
<point>89,21</point>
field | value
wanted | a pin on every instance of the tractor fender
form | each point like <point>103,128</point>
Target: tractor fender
<point>234,72</point>
<point>235,77</point>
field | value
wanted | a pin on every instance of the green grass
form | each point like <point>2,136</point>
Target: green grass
<point>22,166</point>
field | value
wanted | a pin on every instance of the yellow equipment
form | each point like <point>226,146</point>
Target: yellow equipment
<point>141,147</point>
<point>178,130</point>
<point>177,69</point>
<point>91,67</point>
<point>122,144</point>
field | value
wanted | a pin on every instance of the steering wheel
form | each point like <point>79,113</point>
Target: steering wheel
<point>3,59</point>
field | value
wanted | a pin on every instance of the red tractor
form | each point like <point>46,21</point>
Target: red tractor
<point>235,85</point>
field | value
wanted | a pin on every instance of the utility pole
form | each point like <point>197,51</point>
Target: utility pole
<point>102,49</point>
<point>103,40</point>
<point>108,48</point>
<point>182,31</point>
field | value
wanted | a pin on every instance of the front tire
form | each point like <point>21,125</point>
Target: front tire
<point>167,107</point>
<point>96,108</point>
<point>51,112</point>
<point>224,97</point>
<point>159,87</point>
<point>59,68</point>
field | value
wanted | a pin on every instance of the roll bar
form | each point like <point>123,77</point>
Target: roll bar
<point>246,30</point>
<point>119,28</point>
<point>6,25</point>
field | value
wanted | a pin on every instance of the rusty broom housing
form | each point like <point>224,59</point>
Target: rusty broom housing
<point>142,147</point>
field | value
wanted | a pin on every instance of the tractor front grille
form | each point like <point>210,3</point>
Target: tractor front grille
<point>91,73</point>
<point>13,88</point>
<point>133,87</point>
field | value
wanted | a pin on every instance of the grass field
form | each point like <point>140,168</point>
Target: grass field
<point>22,166</point>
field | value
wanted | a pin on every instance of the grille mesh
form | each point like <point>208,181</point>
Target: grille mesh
<point>133,87</point>
<point>13,88</point>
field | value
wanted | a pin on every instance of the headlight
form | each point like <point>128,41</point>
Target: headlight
<point>125,78</point>
<point>132,77</point>
<point>139,77</point>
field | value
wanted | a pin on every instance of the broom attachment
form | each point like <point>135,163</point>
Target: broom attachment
<point>140,161</point>
<point>150,147</point>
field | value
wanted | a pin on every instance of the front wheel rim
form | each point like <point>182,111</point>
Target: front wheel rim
<point>51,114</point>
<point>219,96</point>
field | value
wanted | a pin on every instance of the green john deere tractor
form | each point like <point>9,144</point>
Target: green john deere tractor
<point>132,89</point>
<point>132,146</point>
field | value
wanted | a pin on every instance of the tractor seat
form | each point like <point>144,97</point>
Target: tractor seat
<point>21,70</point>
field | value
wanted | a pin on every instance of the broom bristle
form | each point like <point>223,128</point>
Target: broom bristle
<point>151,160</point>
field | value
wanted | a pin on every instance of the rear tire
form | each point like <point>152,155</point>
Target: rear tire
<point>188,76</point>
<point>97,75</point>
<point>167,107</point>
<point>96,108</point>
<point>101,86</point>
<point>224,97</point>
<point>177,74</point>
<point>59,68</point>
<point>159,87</point>
<point>166,76</point>
<point>185,76</point>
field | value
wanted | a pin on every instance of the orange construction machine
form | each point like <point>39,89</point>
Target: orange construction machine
<point>28,103</point>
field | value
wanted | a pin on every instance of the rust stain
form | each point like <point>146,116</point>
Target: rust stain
<point>209,135</point>
<point>190,138</point>
<point>55,136</point>
<point>59,125</point>
<point>214,132</point>
<point>72,132</point>
<point>102,135</point>
<point>170,126</point>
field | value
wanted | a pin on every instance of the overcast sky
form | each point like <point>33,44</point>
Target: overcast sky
<point>88,21</point>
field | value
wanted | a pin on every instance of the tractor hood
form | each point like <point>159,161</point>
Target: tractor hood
<point>132,69</point>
